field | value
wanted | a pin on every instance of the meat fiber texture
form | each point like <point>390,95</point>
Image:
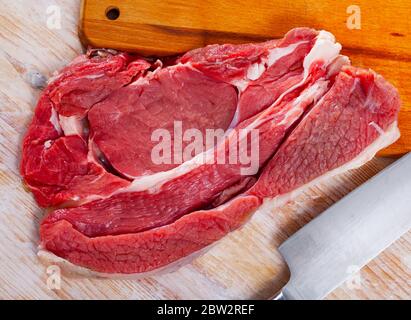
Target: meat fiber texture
<point>87,155</point>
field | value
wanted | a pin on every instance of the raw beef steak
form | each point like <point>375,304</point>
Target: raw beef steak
<point>294,105</point>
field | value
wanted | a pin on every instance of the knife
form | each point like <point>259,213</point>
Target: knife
<point>349,234</point>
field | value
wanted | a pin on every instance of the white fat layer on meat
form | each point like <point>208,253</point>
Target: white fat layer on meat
<point>385,139</point>
<point>71,125</point>
<point>325,49</point>
<point>312,94</point>
<point>241,84</point>
<point>153,183</point>
<point>56,76</point>
<point>279,52</point>
<point>54,120</point>
<point>256,70</point>
<point>337,64</point>
<point>93,76</point>
<point>376,127</point>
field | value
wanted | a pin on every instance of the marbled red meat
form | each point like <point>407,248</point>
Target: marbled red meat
<point>88,150</point>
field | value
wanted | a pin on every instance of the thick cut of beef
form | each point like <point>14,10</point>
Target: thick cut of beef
<point>203,104</point>
<point>295,104</point>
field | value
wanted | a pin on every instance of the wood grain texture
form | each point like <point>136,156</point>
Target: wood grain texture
<point>244,265</point>
<point>173,26</point>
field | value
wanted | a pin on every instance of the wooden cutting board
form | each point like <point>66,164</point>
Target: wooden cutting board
<point>164,27</point>
<point>244,265</point>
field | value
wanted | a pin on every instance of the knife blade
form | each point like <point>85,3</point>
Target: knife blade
<point>348,234</point>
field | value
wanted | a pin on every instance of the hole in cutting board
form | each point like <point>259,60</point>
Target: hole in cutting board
<point>112,13</point>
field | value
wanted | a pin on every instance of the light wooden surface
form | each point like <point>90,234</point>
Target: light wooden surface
<point>244,265</point>
<point>169,26</point>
